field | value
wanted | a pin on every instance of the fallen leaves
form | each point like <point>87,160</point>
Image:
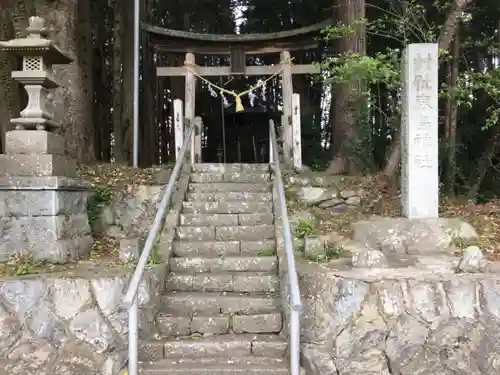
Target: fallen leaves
<point>485,218</point>
<point>117,176</point>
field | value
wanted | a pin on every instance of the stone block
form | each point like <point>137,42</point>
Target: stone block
<point>209,304</point>
<point>210,324</point>
<point>201,220</point>
<point>188,304</point>
<point>209,282</point>
<point>269,346</point>
<point>256,247</point>
<point>208,347</point>
<point>173,325</point>
<point>207,177</point>
<point>229,167</point>
<point>314,247</point>
<point>263,323</point>
<point>33,142</point>
<point>53,238</point>
<point>37,165</point>
<point>195,233</point>
<point>258,282</point>
<point>253,177</point>
<point>25,202</point>
<point>401,235</point>
<point>230,196</point>
<point>256,219</point>
<point>245,233</point>
<point>229,187</point>
<point>206,248</point>
<point>226,264</point>
<point>129,249</point>
<point>226,207</point>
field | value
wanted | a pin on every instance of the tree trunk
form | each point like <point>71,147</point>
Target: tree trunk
<point>128,76</point>
<point>446,37</point>
<point>344,120</point>
<point>73,105</point>
<point>14,17</point>
<point>451,116</point>
<point>487,158</point>
<point>9,97</point>
<point>118,125</point>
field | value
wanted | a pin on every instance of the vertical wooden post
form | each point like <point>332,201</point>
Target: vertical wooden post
<point>197,139</point>
<point>287,88</point>
<point>296,132</point>
<point>190,100</point>
<point>178,126</point>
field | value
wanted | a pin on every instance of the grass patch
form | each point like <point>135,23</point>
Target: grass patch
<point>305,228</point>
<point>331,252</point>
<point>267,252</point>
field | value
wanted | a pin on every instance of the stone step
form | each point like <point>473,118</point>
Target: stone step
<point>173,325</point>
<point>223,282</point>
<point>189,304</point>
<point>226,207</point>
<point>229,187</point>
<point>250,365</point>
<point>229,167</point>
<point>224,264</point>
<point>230,345</point>
<point>201,220</point>
<point>229,233</point>
<point>252,177</point>
<point>230,196</point>
<point>209,249</point>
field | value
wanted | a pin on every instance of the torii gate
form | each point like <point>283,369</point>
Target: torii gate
<point>238,46</point>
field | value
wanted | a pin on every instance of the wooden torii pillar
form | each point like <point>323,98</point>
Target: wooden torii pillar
<point>292,145</point>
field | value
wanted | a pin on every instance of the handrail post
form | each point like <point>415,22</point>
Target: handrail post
<point>294,342</point>
<point>133,337</point>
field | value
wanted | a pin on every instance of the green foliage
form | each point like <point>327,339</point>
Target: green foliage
<point>21,264</point>
<point>101,196</point>
<point>331,252</point>
<point>304,228</point>
<point>267,252</point>
<point>379,72</point>
<point>155,256</point>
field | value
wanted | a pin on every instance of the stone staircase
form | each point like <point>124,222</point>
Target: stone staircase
<point>222,312</point>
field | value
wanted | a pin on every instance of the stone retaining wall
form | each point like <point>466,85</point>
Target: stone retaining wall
<point>72,323</point>
<point>400,321</point>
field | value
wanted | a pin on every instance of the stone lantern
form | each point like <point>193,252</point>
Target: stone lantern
<point>42,205</point>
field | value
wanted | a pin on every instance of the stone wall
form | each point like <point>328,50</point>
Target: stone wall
<point>426,320</point>
<point>72,323</point>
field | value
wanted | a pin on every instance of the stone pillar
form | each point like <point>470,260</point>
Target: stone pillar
<point>419,135</point>
<point>286,120</point>
<point>43,207</point>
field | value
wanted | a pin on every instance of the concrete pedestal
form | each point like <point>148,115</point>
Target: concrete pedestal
<point>44,216</point>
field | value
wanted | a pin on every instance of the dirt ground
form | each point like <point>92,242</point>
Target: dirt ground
<point>484,217</point>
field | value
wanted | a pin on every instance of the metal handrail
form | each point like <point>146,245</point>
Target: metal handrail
<point>130,299</point>
<point>293,282</point>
